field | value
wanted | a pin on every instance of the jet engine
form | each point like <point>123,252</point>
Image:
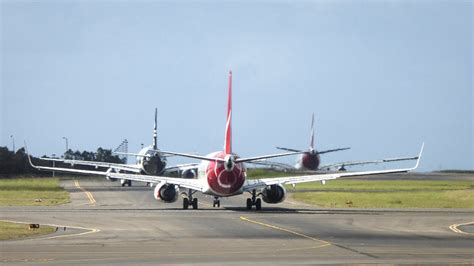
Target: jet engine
<point>274,194</point>
<point>166,192</point>
<point>188,173</point>
<point>110,178</point>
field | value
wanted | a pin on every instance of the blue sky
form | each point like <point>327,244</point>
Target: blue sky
<point>381,77</point>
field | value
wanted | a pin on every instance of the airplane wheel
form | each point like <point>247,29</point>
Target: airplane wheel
<point>129,182</point>
<point>258,204</point>
<point>216,203</point>
<point>249,204</point>
<point>185,203</point>
<point>195,203</point>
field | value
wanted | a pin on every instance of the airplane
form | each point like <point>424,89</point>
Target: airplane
<point>223,174</point>
<point>149,161</point>
<point>310,160</point>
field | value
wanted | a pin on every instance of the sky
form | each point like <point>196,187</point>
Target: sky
<point>381,77</point>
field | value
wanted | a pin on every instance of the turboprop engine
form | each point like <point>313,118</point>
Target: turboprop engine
<point>274,194</point>
<point>166,192</point>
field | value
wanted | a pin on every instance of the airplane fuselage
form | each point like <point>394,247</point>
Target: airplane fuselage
<point>308,161</point>
<point>150,161</point>
<point>222,182</point>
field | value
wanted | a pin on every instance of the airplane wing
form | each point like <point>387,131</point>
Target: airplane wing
<point>124,167</point>
<point>194,156</point>
<point>238,160</point>
<point>333,150</point>
<point>181,182</point>
<point>272,164</point>
<point>181,167</point>
<point>261,183</point>
<point>288,149</point>
<point>318,152</point>
<point>141,155</point>
<point>352,163</point>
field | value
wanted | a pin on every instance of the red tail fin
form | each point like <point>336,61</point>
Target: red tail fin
<point>228,126</point>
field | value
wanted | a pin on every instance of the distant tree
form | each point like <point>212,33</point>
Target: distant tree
<point>17,163</point>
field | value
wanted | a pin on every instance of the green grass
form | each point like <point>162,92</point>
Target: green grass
<point>255,173</point>
<point>386,185</point>
<point>14,230</point>
<point>32,192</point>
<point>388,194</point>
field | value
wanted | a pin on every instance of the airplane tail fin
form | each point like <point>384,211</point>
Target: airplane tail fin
<point>311,144</point>
<point>155,133</point>
<point>228,126</point>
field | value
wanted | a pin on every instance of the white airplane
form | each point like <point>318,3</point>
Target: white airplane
<point>149,161</point>
<point>223,174</point>
<point>310,160</point>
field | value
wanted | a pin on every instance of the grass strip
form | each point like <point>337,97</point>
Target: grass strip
<point>10,230</point>
<point>407,199</point>
<point>32,192</point>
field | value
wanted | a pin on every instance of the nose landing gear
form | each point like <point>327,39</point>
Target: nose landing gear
<point>253,201</point>
<point>216,202</point>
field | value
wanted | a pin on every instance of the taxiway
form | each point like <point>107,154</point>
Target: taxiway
<point>109,224</point>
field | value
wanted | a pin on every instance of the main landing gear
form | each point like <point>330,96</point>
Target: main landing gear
<point>254,201</point>
<point>126,183</point>
<point>216,202</point>
<point>190,200</point>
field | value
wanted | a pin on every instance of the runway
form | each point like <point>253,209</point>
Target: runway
<point>109,224</point>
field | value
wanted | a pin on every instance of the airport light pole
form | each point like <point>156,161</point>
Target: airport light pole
<point>54,157</point>
<point>13,143</point>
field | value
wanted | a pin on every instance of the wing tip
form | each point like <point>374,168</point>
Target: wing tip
<point>419,156</point>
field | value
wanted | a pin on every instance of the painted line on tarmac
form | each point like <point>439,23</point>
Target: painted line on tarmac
<point>454,228</point>
<point>89,230</point>
<point>324,243</point>
<point>88,194</point>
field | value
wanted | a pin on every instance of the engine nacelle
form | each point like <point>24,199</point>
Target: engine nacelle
<point>274,194</point>
<point>188,174</point>
<point>111,179</point>
<point>166,192</point>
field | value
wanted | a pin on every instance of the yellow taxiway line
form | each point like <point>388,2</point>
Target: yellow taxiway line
<point>454,228</point>
<point>88,194</point>
<point>323,242</point>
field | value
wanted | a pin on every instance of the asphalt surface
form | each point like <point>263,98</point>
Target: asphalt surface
<point>109,224</point>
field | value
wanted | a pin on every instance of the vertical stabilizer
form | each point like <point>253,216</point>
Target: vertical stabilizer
<point>228,126</point>
<point>155,133</point>
<point>311,145</point>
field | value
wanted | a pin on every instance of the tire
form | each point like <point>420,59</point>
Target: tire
<point>249,204</point>
<point>195,203</point>
<point>258,204</point>
<point>185,203</point>
<point>218,203</point>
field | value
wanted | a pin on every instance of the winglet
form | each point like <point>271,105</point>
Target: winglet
<point>29,157</point>
<point>311,145</point>
<point>228,126</point>
<point>419,156</point>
